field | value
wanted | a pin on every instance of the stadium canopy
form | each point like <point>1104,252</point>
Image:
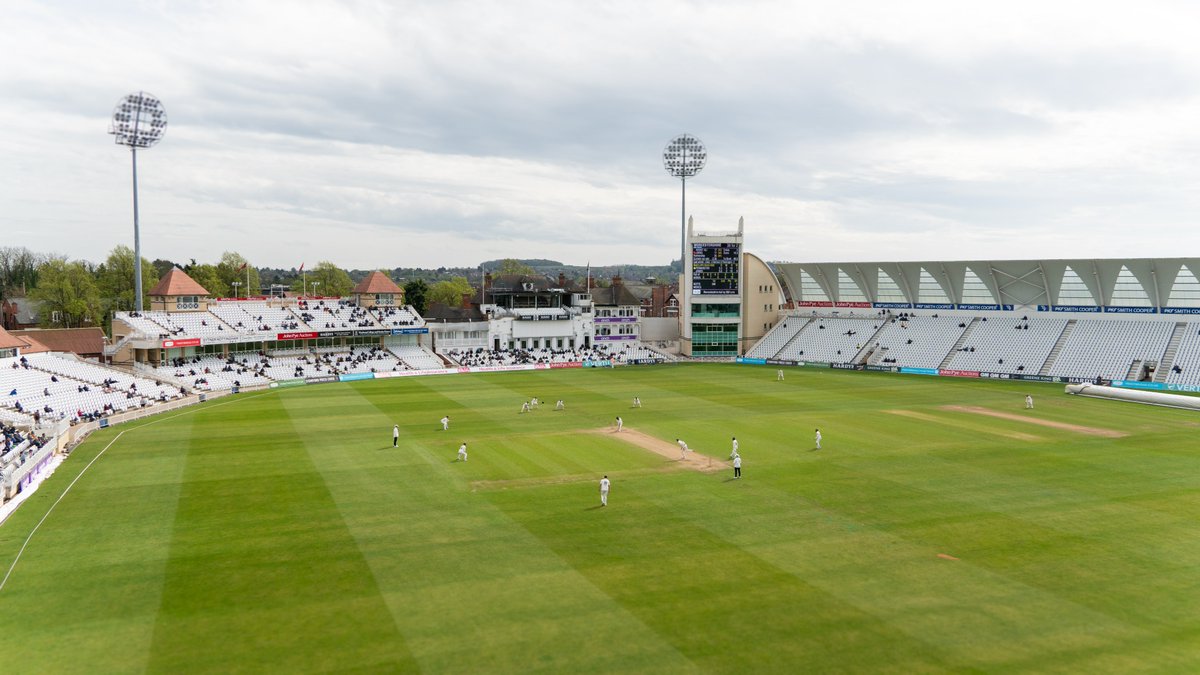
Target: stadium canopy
<point>1136,285</point>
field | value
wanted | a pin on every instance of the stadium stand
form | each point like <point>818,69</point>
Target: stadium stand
<point>773,342</point>
<point>416,357</point>
<point>918,342</point>
<point>1097,347</point>
<point>1185,366</point>
<point>830,339</point>
<point>1006,345</point>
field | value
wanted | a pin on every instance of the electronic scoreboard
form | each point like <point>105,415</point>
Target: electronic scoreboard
<point>715,268</point>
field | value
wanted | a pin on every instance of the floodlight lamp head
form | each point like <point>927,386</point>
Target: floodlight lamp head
<point>139,121</point>
<point>685,156</point>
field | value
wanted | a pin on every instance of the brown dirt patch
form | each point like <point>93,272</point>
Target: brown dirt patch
<point>1015,435</point>
<point>669,450</point>
<point>1064,426</point>
<point>946,556</point>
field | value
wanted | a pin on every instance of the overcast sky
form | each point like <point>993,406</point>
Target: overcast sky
<point>384,134</point>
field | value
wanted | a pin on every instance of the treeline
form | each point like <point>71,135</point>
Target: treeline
<point>77,293</point>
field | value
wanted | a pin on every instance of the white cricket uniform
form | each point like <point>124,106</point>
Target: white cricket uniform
<point>445,424</point>
<point>735,448</point>
<point>462,452</point>
<point>1029,403</point>
<point>620,423</point>
<point>818,438</point>
<point>604,491</point>
<point>683,449</point>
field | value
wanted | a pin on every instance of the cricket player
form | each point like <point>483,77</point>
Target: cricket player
<point>818,438</point>
<point>1028,402</point>
<point>620,423</point>
<point>683,448</point>
<point>462,452</point>
<point>533,402</point>
<point>604,490</point>
<point>395,435</point>
<point>735,448</point>
<point>737,466</point>
<point>637,402</point>
<point>525,406</point>
<point>446,423</point>
<point>560,405</point>
<point>779,375</point>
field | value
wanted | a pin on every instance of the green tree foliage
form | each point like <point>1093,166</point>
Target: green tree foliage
<point>18,269</point>
<point>114,278</point>
<point>333,281</point>
<point>514,266</point>
<point>209,277</point>
<point>67,295</point>
<point>416,293</point>
<point>449,293</point>
<point>229,270</point>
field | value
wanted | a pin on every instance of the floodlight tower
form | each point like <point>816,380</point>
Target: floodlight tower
<point>139,121</point>
<point>684,157</point>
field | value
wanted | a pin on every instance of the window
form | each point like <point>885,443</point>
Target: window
<point>848,290</point>
<point>187,302</point>
<point>930,290</point>
<point>974,291</point>
<point>1073,291</point>
<point>811,290</point>
<point>1128,291</point>
<point>1185,292</point>
<point>714,339</point>
<point>887,290</point>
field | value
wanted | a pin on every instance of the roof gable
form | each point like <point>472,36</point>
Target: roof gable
<point>177,282</point>
<point>377,282</point>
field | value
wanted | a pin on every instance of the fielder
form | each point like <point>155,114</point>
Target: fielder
<point>462,452</point>
<point>637,402</point>
<point>395,435</point>
<point>525,406</point>
<point>560,405</point>
<point>683,449</point>
<point>604,491</point>
<point>446,423</point>
<point>620,423</point>
<point>818,439</point>
<point>735,448</point>
<point>779,375</point>
<point>1028,402</point>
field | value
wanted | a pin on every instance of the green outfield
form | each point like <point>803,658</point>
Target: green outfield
<point>280,531</point>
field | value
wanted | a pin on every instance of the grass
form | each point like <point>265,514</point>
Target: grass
<point>281,532</point>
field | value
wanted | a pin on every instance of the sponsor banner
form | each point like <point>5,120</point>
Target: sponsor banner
<point>614,338</point>
<point>242,299</point>
<point>933,305</point>
<point>184,342</point>
<point>644,362</point>
<point>411,373</point>
<point>864,305</point>
<point>882,369</point>
<point>1086,309</point>
<point>501,369</point>
<point>203,398</point>
<point>993,308</point>
<point>892,305</point>
<point>1130,310</point>
<point>321,379</point>
<point>958,373</point>
<point>919,371</point>
<point>302,335</point>
<point>782,362</point>
<point>351,377</point>
<point>1184,387</point>
<point>410,331</point>
<point>752,361</point>
<point>615,319</point>
<point>1134,384</point>
<point>845,366</point>
<point>103,422</point>
<point>288,383</point>
<point>814,303</point>
<point>598,364</point>
<point>567,364</point>
<point>372,332</point>
<point>1180,310</point>
<point>814,364</point>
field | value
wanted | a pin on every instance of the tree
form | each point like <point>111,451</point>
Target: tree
<point>233,267</point>
<point>114,278</point>
<point>334,281</point>
<point>207,276</point>
<point>514,266</point>
<point>67,295</point>
<point>18,269</point>
<point>449,293</point>
<point>415,294</point>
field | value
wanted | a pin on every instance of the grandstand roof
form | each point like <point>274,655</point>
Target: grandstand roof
<point>614,296</point>
<point>177,282</point>
<point>377,282</point>
<point>83,341</point>
<point>9,341</point>
<point>1120,282</point>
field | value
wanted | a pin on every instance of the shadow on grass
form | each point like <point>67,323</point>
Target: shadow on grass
<point>593,508</point>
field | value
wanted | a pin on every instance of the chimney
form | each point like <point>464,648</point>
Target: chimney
<point>616,280</point>
<point>562,280</point>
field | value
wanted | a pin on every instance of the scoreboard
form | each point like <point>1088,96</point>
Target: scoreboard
<point>715,268</point>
